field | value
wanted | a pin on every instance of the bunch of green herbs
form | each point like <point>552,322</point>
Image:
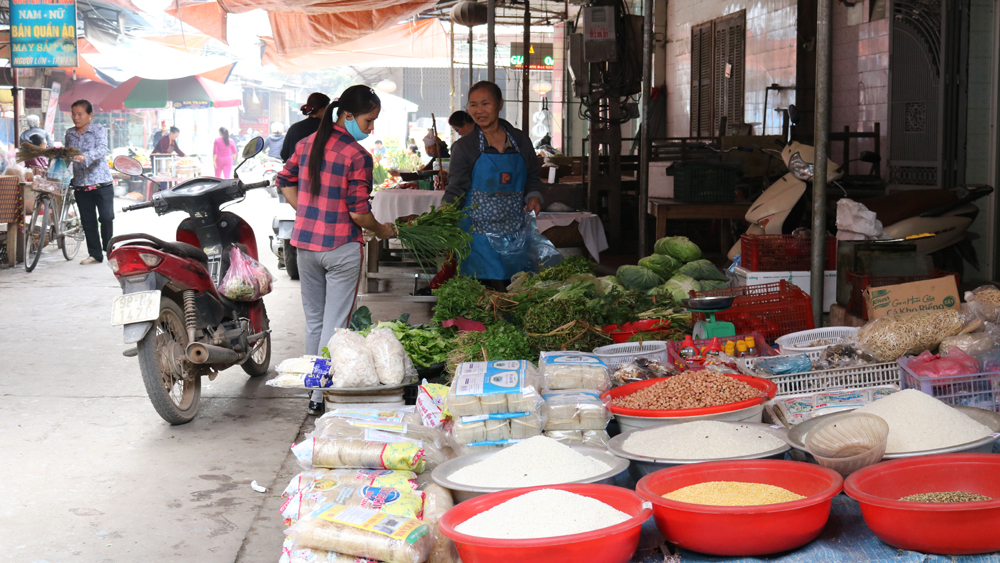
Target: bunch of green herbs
<point>435,234</point>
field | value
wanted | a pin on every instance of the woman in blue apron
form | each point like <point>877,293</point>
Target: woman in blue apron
<point>495,173</point>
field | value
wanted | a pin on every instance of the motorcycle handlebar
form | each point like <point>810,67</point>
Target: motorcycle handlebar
<point>255,185</point>
<point>139,206</point>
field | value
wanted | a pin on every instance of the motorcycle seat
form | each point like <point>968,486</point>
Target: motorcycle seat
<point>186,250</point>
<point>893,208</point>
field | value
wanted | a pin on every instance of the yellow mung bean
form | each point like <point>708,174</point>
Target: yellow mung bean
<point>732,493</point>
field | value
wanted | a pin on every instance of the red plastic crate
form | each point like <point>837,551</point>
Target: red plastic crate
<point>674,348</point>
<point>772,309</point>
<point>783,253</point>
<point>860,282</point>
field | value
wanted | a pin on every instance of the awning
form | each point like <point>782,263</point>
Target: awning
<point>89,90</point>
<point>407,42</point>
<point>153,60</point>
<point>191,91</point>
<point>308,6</point>
<point>206,17</point>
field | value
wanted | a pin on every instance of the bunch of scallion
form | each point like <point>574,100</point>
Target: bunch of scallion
<point>435,234</point>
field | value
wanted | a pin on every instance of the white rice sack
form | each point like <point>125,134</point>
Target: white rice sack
<point>353,365</point>
<point>389,356</point>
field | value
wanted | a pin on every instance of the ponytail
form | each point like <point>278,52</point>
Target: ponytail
<point>316,153</point>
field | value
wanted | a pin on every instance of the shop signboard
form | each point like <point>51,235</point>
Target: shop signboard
<point>541,56</point>
<point>43,35</point>
<point>191,105</point>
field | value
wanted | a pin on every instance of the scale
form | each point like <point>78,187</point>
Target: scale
<point>709,306</point>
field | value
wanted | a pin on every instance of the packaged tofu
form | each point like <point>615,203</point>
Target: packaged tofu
<point>573,370</point>
<point>596,438</point>
<point>493,387</point>
<point>575,409</point>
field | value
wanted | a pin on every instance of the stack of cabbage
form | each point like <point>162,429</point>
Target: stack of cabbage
<point>677,262</point>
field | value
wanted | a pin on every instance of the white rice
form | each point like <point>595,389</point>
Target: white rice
<point>542,514</point>
<point>705,439</point>
<point>918,422</point>
<point>533,462</point>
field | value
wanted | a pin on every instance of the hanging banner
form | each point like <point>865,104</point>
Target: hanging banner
<point>43,35</point>
<point>53,109</point>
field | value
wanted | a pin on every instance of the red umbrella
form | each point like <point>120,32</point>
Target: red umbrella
<point>94,92</point>
<point>137,93</point>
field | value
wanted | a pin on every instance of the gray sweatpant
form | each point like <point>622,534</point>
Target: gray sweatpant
<point>329,284</point>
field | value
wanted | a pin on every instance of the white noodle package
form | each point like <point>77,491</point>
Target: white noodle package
<point>353,365</point>
<point>483,388</point>
<point>392,364</point>
<point>575,409</point>
<point>573,370</point>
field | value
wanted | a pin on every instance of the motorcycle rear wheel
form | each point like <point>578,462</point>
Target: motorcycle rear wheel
<point>291,257</point>
<point>163,366</point>
<point>260,360</point>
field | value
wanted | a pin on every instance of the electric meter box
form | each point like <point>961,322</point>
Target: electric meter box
<point>599,34</point>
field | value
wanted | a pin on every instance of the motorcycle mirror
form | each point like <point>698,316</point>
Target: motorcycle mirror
<point>793,114</point>
<point>870,157</point>
<point>127,165</point>
<point>253,148</point>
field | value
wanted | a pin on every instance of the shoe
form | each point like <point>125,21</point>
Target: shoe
<point>316,408</point>
<point>90,260</point>
<point>423,292</point>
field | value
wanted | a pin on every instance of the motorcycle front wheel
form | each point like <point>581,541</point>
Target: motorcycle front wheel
<point>164,366</point>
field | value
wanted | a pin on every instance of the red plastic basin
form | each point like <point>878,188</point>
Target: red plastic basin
<point>614,544</point>
<point>763,385</point>
<point>743,530</point>
<point>946,529</point>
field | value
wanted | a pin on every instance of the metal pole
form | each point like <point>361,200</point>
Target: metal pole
<point>491,40</point>
<point>644,138</point>
<point>451,70</point>
<point>15,90</point>
<point>821,138</point>
<point>470,58</point>
<point>526,76</point>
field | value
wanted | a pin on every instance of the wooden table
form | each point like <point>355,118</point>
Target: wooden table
<point>664,209</point>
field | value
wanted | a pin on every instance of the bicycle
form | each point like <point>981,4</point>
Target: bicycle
<point>55,216</point>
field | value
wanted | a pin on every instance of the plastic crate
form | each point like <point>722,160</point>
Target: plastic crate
<point>615,355</point>
<point>772,309</point>
<point>980,390</point>
<point>873,375</point>
<point>674,348</point>
<point>860,282</point>
<point>783,253</point>
<point>799,342</point>
<point>704,182</point>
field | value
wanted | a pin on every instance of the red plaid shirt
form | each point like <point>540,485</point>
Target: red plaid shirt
<point>324,222</point>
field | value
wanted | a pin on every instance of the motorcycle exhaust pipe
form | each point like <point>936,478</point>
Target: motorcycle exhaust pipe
<point>198,353</point>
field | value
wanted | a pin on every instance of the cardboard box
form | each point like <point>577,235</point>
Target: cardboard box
<point>927,295</point>
<point>801,279</point>
<point>660,185</point>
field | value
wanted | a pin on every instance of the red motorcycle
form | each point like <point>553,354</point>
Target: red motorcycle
<point>171,309</point>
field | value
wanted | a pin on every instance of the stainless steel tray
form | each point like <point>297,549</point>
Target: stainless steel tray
<point>460,493</point>
<point>643,465</point>
<point>990,419</point>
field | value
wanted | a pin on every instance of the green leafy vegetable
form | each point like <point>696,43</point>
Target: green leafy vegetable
<point>361,319</point>
<point>702,270</point>
<point>461,297</point>
<point>435,234</point>
<point>425,345</point>
<point>500,341</point>
<point>708,285</point>
<point>680,248</point>
<point>661,265</point>
<point>566,324</point>
<point>637,278</point>
<point>680,286</point>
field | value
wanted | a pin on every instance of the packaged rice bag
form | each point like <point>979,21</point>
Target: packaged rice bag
<point>353,454</point>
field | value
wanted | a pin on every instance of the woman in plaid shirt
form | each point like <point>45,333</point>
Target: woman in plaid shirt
<point>328,181</point>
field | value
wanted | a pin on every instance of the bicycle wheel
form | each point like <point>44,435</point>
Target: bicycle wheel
<point>70,230</point>
<point>35,232</point>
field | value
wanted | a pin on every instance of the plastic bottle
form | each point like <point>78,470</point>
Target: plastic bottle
<point>752,349</point>
<point>688,349</point>
<point>714,347</point>
<point>741,349</point>
<point>731,348</point>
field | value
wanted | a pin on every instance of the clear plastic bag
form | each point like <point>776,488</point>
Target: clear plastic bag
<point>783,365</point>
<point>573,370</point>
<point>640,370</point>
<point>839,356</point>
<point>60,172</point>
<point>352,361</point>
<point>392,364</point>
<point>380,536</point>
<point>575,410</point>
<point>433,442</point>
<point>431,406</point>
<point>306,372</point>
<point>355,454</point>
<point>973,343</point>
<point>525,250</point>
<point>246,279</point>
<point>483,388</point>
<point>984,302</point>
<point>320,479</point>
<point>437,501</point>
<point>894,336</point>
<point>596,438</point>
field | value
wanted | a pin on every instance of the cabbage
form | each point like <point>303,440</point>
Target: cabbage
<point>607,283</point>
<point>680,248</point>
<point>680,286</point>
<point>661,265</point>
<point>708,285</point>
<point>637,278</point>
<point>702,270</point>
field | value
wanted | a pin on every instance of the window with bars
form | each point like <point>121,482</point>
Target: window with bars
<point>718,69</point>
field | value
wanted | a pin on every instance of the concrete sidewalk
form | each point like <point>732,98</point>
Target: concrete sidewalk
<point>88,470</point>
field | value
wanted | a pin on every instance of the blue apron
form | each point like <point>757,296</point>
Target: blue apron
<point>496,200</point>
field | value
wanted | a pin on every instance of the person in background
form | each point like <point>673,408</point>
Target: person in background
<point>435,148</point>
<point>328,180</point>
<point>161,133</point>
<point>33,129</point>
<point>379,152</point>
<point>168,144</point>
<point>224,152</point>
<point>39,164</point>
<point>274,142</point>
<point>95,192</point>
<point>313,109</point>
<point>412,149</point>
<point>462,122</point>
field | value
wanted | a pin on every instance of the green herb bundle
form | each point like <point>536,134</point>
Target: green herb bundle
<point>500,341</point>
<point>461,297</point>
<point>564,324</point>
<point>435,234</point>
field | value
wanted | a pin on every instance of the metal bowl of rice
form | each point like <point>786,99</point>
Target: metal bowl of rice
<point>642,465</point>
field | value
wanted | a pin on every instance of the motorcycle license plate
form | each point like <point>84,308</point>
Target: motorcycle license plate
<point>136,308</point>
